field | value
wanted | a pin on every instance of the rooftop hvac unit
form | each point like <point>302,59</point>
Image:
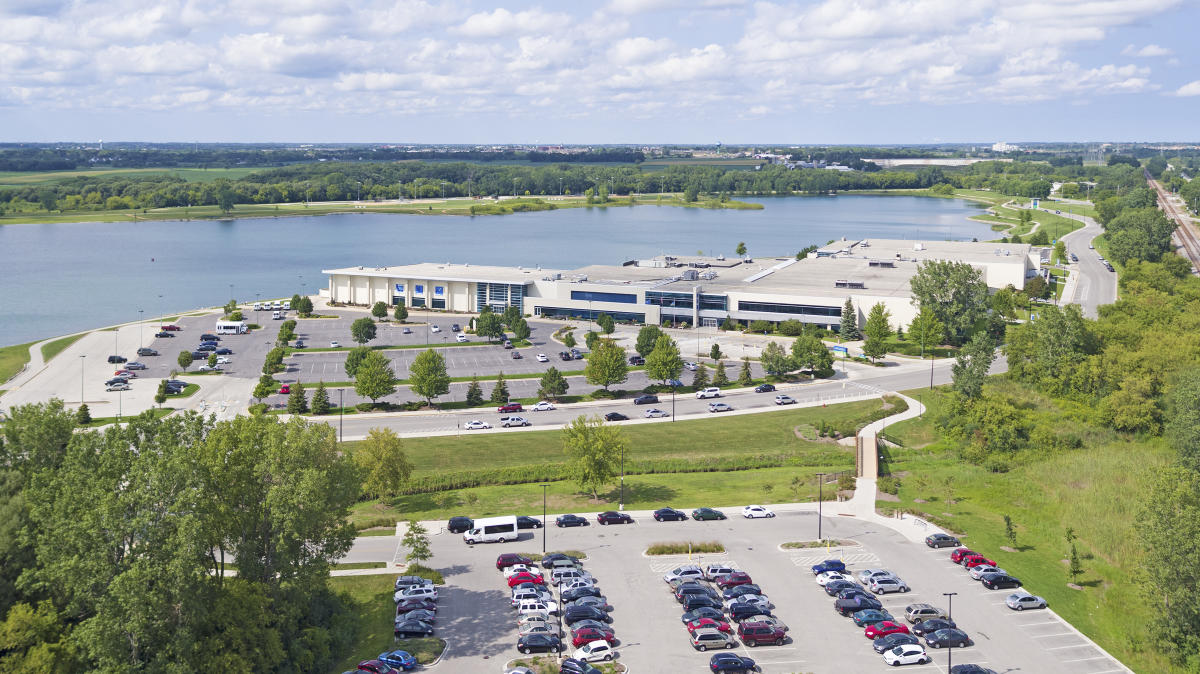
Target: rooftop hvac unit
<point>690,275</point>
<point>841,283</point>
<point>708,275</point>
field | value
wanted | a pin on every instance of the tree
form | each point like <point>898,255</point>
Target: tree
<point>954,291</point>
<point>971,365</point>
<point>320,400</point>
<point>792,328</point>
<point>760,327</point>
<point>1060,251</point>
<point>606,365</point>
<point>1167,523</point>
<point>384,466</point>
<point>474,393</point>
<point>774,361</point>
<point>849,326</point>
<point>83,415</point>
<point>416,539</point>
<point>1036,287</point>
<point>379,310</point>
<point>647,339</point>
<point>362,330</point>
<point>499,391</point>
<point>595,450</point>
<point>720,378</point>
<point>306,307</point>
<point>569,339</point>
<point>745,376</point>
<point>264,388</point>
<point>691,194</point>
<point>1183,417</point>
<point>606,323</point>
<point>741,249</point>
<point>1010,531</point>
<point>400,313</point>
<point>700,379</point>
<point>184,359</point>
<point>354,358</point>
<point>212,360</point>
<point>715,352</point>
<point>810,353</point>
<point>926,329</point>
<point>553,385</point>
<point>488,325</point>
<point>1075,567</point>
<point>160,396</point>
<point>663,362</point>
<point>297,400</point>
<point>520,328</point>
<point>590,339</point>
<point>225,197</point>
<point>511,315</point>
<point>729,324</point>
<point>427,376</point>
<point>295,304</point>
<point>877,331</point>
<point>374,378</point>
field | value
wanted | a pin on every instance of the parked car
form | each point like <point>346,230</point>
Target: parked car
<point>403,582</point>
<point>866,575</point>
<point>526,522</point>
<point>615,416</point>
<point>476,425</point>
<point>710,392</point>
<point>978,572</point>
<point>887,585</point>
<point>959,553</point>
<point>999,581</point>
<point>163,335</point>
<point>539,643</point>
<point>932,625</point>
<point>579,593</point>
<point>576,354</point>
<point>645,399</point>
<point>613,517</point>
<point>714,572</point>
<point>915,613</point>
<point>412,628</point>
<point>541,358</point>
<point>573,666</point>
<point>418,592</point>
<point>833,587</point>
<point>455,327</point>
<point>459,524</point>
<point>172,328</point>
<point>829,565</point>
<point>415,604</point>
<point>690,366</point>
<point>759,633</point>
<point>669,515</point>
<point>941,541</point>
<point>948,638</point>
<point>764,388</point>
<point>742,611</point>
<point>525,577</point>
<point>564,355</point>
<point>884,628</point>
<point>406,331</point>
<point>398,659</point>
<point>830,577</point>
<point>598,602</point>
<point>460,338</point>
<point>542,406</point>
<point>719,407</point>
<point>890,641</point>
<point>510,407</point>
<point>686,572</point>
<point>906,654</point>
<point>595,651</point>
<point>870,616</point>
<point>117,359</point>
<point>734,579</point>
<point>575,614</point>
<point>586,635</point>
<point>707,514</point>
<point>736,591</point>
<point>206,347</point>
<point>1019,601</point>
<point>704,639</point>
<point>637,360</point>
<point>784,400</point>
<point>570,520</point>
<point>224,351</point>
<point>146,351</point>
<point>731,662</point>
<point>435,328</point>
<point>118,386</point>
<point>971,669</point>
<point>708,623</point>
<point>756,511</point>
<point>976,560</point>
<point>655,413</point>
<point>704,612</point>
<point>510,421</point>
<point>550,559</point>
<point>375,667</point>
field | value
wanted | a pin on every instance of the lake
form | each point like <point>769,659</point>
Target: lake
<point>63,278</point>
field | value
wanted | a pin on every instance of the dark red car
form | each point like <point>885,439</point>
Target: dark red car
<point>525,577</point>
<point>511,559</point>
<point>959,553</point>
<point>975,560</point>
<point>719,625</point>
<point>759,633</point>
<point>734,579</point>
<point>171,328</point>
<point>510,407</point>
<point>415,604</point>
<point>586,635</point>
<point>883,629</point>
<point>376,667</point>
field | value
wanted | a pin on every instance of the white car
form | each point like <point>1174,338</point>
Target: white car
<point>976,572</point>
<point>655,413</point>
<point>690,366</point>
<point>533,619</point>
<point>434,328</point>
<point>542,406</point>
<point>595,650</point>
<point>782,399</point>
<point>460,338</point>
<point>887,584</point>
<point>755,511</point>
<point>538,628</point>
<point>826,577</point>
<point>864,577</point>
<point>908,654</point>
<point>1019,601</point>
<point>417,592</point>
<point>514,421</point>
<point>537,606</point>
<point>476,425</point>
<point>758,601</point>
<point>576,584</point>
<point>117,387</point>
<point>513,570</point>
<point>541,358</point>
<point>710,392</point>
<point>560,576</point>
<point>222,360</point>
<point>335,345</point>
<point>714,571</point>
<point>689,572</point>
<point>208,368</point>
<point>528,594</point>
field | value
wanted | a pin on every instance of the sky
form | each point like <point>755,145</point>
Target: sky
<point>608,71</point>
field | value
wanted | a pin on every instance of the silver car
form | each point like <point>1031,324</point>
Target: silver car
<point>887,584</point>
<point>976,572</point>
<point>707,637</point>
<point>1020,601</point>
<point>864,577</point>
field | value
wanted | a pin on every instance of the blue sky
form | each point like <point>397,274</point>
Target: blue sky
<point>612,71</point>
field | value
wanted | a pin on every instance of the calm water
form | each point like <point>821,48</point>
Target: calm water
<point>64,278</point>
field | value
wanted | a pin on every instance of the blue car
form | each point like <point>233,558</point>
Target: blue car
<point>829,565</point>
<point>401,659</point>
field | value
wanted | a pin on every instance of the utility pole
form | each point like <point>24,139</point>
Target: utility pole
<point>544,523</point>
<point>949,615</point>
<point>81,357</point>
<point>820,499</point>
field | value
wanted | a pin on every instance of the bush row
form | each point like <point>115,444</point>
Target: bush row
<point>684,547</point>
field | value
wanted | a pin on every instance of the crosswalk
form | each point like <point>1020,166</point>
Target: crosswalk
<point>665,565</point>
<point>850,558</point>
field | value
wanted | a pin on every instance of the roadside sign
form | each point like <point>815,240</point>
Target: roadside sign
<point>839,349</point>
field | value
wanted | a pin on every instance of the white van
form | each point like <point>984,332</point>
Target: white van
<point>278,315</point>
<point>492,530</point>
<point>287,305</point>
<point>710,392</point>
<point>231,328</point>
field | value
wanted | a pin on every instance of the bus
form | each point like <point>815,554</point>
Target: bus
<point>231,328</point>
<point>492,530</point>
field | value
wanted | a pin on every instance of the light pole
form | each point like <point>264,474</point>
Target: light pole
<point>820,498</point>
<point>949,616</point>
<point>545,524</point>
<point>341,416</point>
<point>621,500</point>
<point>140,344</point>
<point>81,357</point>
<point>672,403</point>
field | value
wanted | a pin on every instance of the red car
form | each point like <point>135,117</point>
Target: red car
<point>285,389</point>
<point>525,577</point>
<point>510,559</point>
<point>959,553</point>
<point>171,328</point>
<point>975,560</point>
<point>884,628</point>
<point>719,625</point>
<point>733,580</point>
<point>510,407</point>
<point>376,667</point>
<point>586,635</point>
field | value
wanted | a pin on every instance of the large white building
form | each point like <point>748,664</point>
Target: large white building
<point>692,290</point>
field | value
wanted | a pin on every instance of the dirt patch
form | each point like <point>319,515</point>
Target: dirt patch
<point>809,433</point>
<point>884,496</point>
<point>1005,548</point>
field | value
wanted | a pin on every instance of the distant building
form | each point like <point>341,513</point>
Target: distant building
<point>1004,147</point>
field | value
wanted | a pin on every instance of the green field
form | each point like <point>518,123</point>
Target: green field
<point>372,597</point>
<point>25,178</point>
<point>52,349</point>
<point>12,359</point>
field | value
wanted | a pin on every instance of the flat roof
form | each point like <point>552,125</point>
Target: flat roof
<point>436,271</point>
<point>959,251</point>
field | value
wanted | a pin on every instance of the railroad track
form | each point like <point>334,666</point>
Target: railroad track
<point>1184,231</point>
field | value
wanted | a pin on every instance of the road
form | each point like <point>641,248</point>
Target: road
<point>1185,233</point>
<point>1095,285</point>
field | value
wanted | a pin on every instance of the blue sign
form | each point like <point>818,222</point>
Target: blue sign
<point>419,289</point>
<point>839,349</point>
<point>438,290</point>
<point>400,288</point>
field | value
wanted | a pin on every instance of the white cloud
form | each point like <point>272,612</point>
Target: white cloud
<point>637,49</point>
<point>1189,89</point>
<point>503,22</point>
<point>641,6</point>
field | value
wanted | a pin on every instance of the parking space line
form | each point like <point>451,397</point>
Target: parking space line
<point>1098,657</point>
<point>1048,622</point>
<point>1059,648</point>
<point>1048,636</point>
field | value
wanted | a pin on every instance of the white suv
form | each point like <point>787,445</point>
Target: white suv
<point>710,392</point>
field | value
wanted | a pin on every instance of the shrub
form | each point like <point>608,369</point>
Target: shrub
<point>797,545</point>
<point>537,556</point>
<point>763,327</point>
<point>791,327</point>
<point>425,572</point>
<point>258,408</point>
<point>364,407</point>
<point>846,482</point>
<point>889,485</point>
<point>684,547</point>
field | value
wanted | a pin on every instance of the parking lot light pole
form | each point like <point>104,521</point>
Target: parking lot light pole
<point>545,524</point>
<point>140,344</point>
<point>81,357</point>
<point>621,501</point>
<point>820,498</point>
<point>341,416</point>
<point>949,616</point>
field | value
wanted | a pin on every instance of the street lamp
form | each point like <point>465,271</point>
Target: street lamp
<point>341,416</point>
<point>949,616</point>
<point>81,357</point>
<point>545,526</point>
<point>820,498</point>
<point>140,330</point>
<point>621,500</point>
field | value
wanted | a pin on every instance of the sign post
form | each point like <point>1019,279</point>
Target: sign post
<point>843,351</point>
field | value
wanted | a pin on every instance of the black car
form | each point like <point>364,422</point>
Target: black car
<point>555,556</point>
<point>207,347</point>
<point>412,628</point>
<point>570,521</point>
<point>176,382</point>
<point>686,591</point>
<point>637,360</point>
<point>613,517</point>
<point>565,355</point>
<point>539,643</point>
<point>573,666</point>
<point>164,334</point>
<point>576,613</point>
<point>971,669</point>
<point>646,399</point>
<point>415,604</point>
<point>850,606</point>
<point>117,359</point>
<point>932,625</point>
<point>692,602</point>
<point>739,590</point>
<point>456,328</point>
<point>615,416</point>
<point>731,662</point>
<point>576,354</point>
<point>224,351</point>
<point>579,593</point>
<point>997,581</point>
<point>669,515</point>
<point>835,587</point>
<point>199,355</point>
<point>764,388</point>
<point>703,612</point>
<point>457,525</point>
<point>209,337</point>
<point>116,380</point>
<point>739,611</point>
<point>948,637</point>
<point>599,602</point>
<point>526,522</point>
<point>405,582</point>
<point>422,614</point>
<point>942,541</point>
<point>855,591</point>
<point>890,641</point>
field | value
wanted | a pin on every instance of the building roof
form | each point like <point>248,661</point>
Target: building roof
<point>436,271</point>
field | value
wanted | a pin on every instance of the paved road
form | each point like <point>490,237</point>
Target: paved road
<point>1095,285</point>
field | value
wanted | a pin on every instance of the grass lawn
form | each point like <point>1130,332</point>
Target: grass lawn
<point>24,178</point>
<point>360,565</point>
<point>12,359</point>
<point>186,392</point>
<point>52,349</point>
<point>1093,490</point>
<point>104,421</point>
<point>909,348</point>
<point>373,596</point>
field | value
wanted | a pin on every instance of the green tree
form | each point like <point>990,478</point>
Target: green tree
<point>664,362</point>
<point>606,323</point>
<point>320,400</point>
<point>160,396</point>
<point>700,379</point>
<point>1060,252</point>
<point>720,377</point>
<point>83,415</point>
<point>971,366</point>
<point>212,360</point>
<point>374,378</point>
<point>1075,567</point>
<point>416,540</point>
<point>954,291</point>
<point>691,194</point>
<point>1168,522</point>
<point>849,325</point>
<point>760,327</point>
<point>184,359</point>
<point>715,352</point>
<point>569,339</point>
<point>379,310</point>
<point>489,325</point>
<point>306,307</point>
<point>745,376</point>
<point>362,330</point>
<point>810,353</point>
<point>384,466</point>
<point>510,316</point>
<point>499,391</point>
<point>354,358</point>
<point>595,450</point>
<point>606,365</point>
<point>553,385</point>
<point>427,376</point>
<point>520,329</point>
<point>1183,417</point>
<point>775,361</point>
<point>474,393</point>
<point>590,339</point>
<point>400,313</point>
<point>1010,531</point>
<point>926,329</point>
<point>225,199</point>
<point>647,339</point>
<point>877,330</point>
<point>297,400</point>
<point>740,250</point>
<point>295,303</point>
<point>264,388</point>
<point>729,324</point>
<point>791,328</point>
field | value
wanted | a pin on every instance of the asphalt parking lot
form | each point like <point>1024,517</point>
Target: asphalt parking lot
<point>647,618</point>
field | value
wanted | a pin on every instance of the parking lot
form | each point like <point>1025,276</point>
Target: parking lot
<point>647,617</point>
